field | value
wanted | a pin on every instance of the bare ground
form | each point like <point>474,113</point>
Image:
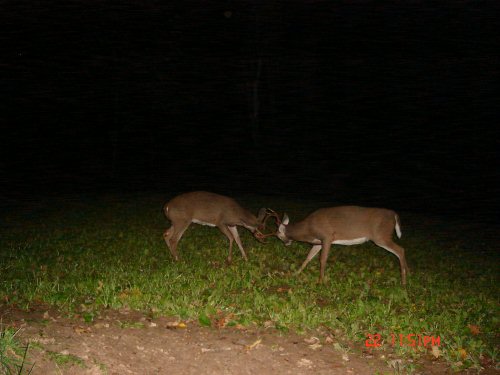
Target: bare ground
<point>128,342</point>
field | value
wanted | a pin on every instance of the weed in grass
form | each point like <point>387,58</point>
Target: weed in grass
<point>64,359</point>
<point>12,353</point>
<point>102,367</point>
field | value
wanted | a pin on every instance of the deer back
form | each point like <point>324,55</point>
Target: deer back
<point>350,222</point>
<point>209,208</point>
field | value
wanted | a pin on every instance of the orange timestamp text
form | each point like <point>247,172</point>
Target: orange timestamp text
<point>413,340</point>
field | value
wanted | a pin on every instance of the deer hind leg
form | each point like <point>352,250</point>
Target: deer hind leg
<point>326,245</point>
<point>166,236</point>
<point>312,253</point>
<point>234,232</point>
<point>400,253</point>
<point>173,235</point>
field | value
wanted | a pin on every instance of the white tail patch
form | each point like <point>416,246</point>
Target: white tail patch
<point>398,229</point>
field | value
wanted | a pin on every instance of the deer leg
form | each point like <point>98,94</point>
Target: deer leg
<point>224,229</point>
<point>312,253</point>
<point>166,236</point>
<point>172,236</point>
<point>324,256</point>
<point>234,232</point>
<point>400,253</point>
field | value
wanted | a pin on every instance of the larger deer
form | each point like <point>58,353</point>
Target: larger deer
<point>214,210</point>
<point>344,225</point>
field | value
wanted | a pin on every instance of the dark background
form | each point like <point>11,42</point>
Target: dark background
<point>349,102</point>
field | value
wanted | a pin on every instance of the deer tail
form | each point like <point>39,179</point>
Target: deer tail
<point>398,226</point>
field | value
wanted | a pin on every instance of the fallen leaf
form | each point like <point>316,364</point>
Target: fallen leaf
<point>221,323</point>
<point>283,289</point>
<point>475,330</point>
<point>312,340</point>
<point>304,363</point>
<point>315,346</point>
<point>122,295</point>
<point>80,329</point>
<point>176,325</point>
<point>222,320</point>
<point>463,353</point>
<point>46,315</point>
<point>254,345</point>
<point>435,351</point>
<point>269,324</point>
<point>100,285</point>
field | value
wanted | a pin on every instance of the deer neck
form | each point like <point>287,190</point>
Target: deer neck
<point>300,232</point>
<point>249,221</point>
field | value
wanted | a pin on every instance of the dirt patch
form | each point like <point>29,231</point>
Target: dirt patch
<point>127,342</point>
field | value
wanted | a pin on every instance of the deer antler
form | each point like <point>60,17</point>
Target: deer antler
<point>261,236</point>
<point>272,213</point>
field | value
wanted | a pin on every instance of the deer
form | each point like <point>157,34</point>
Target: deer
<point>343,225</point>
<point>214,210</point>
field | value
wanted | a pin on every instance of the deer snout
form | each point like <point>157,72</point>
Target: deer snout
<point>282,236</point>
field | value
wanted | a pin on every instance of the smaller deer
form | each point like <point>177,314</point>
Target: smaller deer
<point>214,210</point>
<point>344,225</point>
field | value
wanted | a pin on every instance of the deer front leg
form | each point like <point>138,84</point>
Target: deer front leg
<point>234,232</point>
<point>400,253</point>
<point>312,253</point>
<point>224,229</point>
<point>324,257</point>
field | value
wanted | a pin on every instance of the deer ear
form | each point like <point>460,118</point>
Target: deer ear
<point>285,220</point>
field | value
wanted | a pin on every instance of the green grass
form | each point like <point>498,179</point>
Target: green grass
<point>109,253</point>
<point>12,353</point>
<point>66,360</point>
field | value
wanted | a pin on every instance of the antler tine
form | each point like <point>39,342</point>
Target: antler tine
<point>261,236</point>
<point>269,213</point>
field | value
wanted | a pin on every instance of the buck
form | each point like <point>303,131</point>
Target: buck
<point>344,225</point>
<point>214,210</point>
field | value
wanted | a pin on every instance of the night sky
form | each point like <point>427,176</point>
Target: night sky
<point>345,101</point>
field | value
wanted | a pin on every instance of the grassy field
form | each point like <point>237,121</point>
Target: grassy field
<point>83,256</point>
